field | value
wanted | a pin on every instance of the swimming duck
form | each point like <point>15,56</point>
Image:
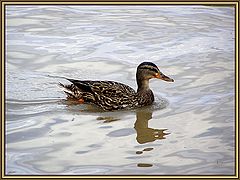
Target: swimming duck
<point>111,95</point>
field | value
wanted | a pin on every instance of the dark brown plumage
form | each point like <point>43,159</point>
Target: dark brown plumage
<point>110,95</point>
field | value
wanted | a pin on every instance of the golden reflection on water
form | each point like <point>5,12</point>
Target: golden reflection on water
<point>144,133</point>
<point>108,119</point>
<point>144,165</point>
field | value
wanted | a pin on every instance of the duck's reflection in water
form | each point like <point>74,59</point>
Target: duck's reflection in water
<point>144,133</point>
<point>143,115</point>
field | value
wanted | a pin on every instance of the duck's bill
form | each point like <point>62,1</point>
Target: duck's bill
<point>168,79</point>
<point>165,78</point>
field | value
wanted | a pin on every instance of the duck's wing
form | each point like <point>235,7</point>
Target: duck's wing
<point>103,87</point>
<point>112,95</point>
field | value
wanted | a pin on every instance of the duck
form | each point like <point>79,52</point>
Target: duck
<point>112,95</point>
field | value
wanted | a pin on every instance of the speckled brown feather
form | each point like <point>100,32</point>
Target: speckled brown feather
<point>109,95</point>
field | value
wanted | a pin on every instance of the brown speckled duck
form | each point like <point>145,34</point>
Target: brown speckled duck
<point>110,95</point>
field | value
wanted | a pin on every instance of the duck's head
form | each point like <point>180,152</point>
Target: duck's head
<point>148,70</point>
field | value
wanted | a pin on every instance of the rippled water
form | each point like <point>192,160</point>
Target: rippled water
<point>189,129</point>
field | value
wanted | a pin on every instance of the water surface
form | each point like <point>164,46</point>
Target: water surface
<point>188,131</point>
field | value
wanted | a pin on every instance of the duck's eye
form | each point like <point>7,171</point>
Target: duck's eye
<point>157,75</point>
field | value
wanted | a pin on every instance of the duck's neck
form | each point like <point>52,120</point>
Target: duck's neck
<point>143,84</point>
<point>144,93</point>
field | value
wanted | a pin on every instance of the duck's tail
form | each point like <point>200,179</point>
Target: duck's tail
<point>69,90</point>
